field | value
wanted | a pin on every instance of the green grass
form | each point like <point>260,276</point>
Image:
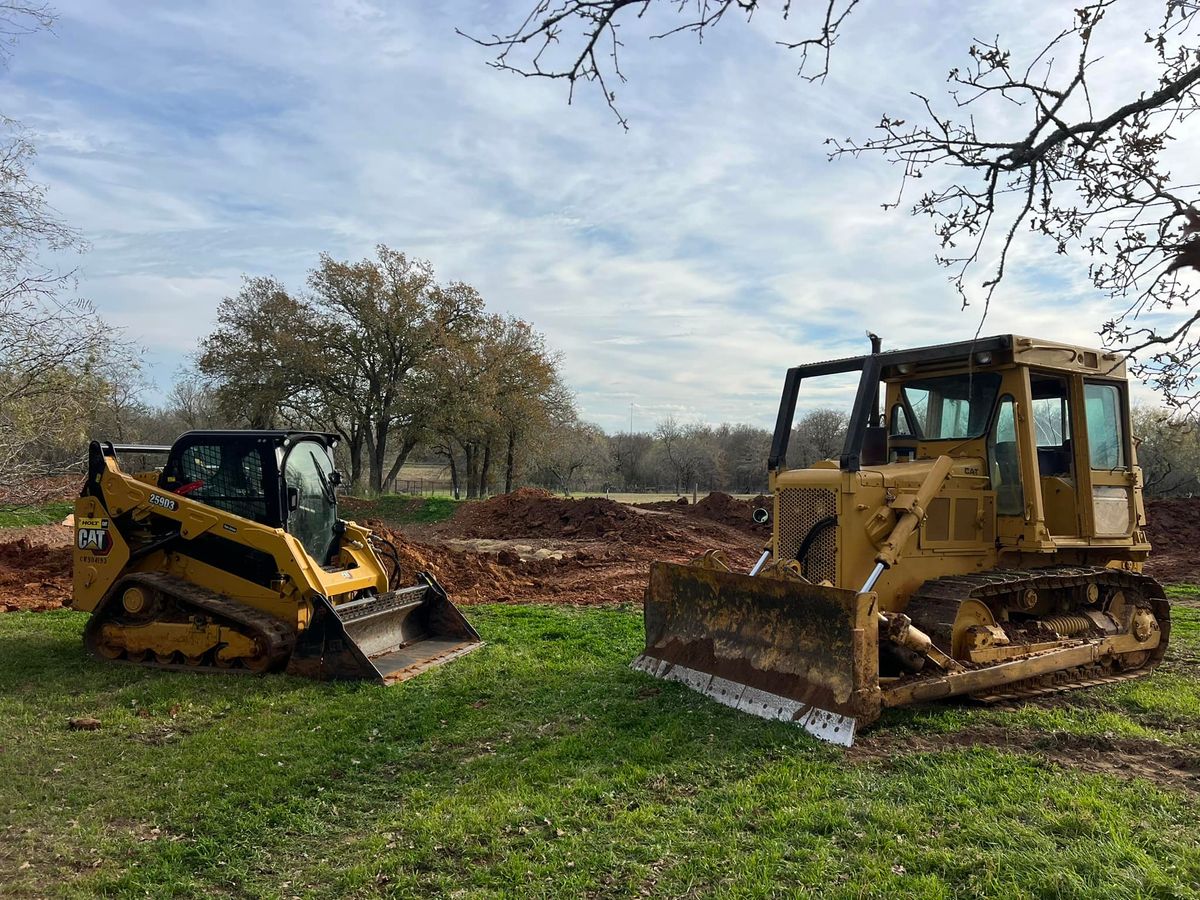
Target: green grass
<point>41,514</point>
<point>543,766</point>
<point>396,509</point>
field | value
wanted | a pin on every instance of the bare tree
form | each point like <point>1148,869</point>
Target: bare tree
<point>1091,177</point>
<point>818,435</point>
<point>61,367</point>
<point>579,40</point>
<point>1094,180</point>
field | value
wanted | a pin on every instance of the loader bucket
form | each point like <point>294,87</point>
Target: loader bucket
<point>386,638</point>
<point>779,649</point>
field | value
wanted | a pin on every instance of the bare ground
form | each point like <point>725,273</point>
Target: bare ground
<point>1104,755</point>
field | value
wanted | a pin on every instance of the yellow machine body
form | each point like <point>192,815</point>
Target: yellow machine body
<point>172,579</point>
<point>981,534</point>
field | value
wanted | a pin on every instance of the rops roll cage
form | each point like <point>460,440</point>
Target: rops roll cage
<point>866,400</point>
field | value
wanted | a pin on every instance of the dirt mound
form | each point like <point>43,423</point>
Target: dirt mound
<point>679,504</point>
<point>728,510</point>
<point>1173,527</point>
<point>501,577</point>
<point>531,513</point>
<point>34,575</point>
<point>580,572</point>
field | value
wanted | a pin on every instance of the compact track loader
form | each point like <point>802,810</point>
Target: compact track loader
<point>232,557</point>
<point>983,535</point>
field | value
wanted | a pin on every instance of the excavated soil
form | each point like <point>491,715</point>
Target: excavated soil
<point>537,514</point>
<point>722,508</point>
<point>1168,766</point>
<point>534,547</point>
<point>531,546</point>
<point>35,567</point>
<point>1173,527</point>
<point>536,569</point>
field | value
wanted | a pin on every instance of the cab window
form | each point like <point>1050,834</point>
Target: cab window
<point>312,515</point>
<point>1052,424</point>
<point>1004,461</point>
<point>225,475</point>
<point>1106,439</point>
<point>953,407</point>
<point>901,426</point>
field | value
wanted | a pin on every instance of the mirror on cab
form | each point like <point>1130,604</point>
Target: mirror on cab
<point>761,516</point>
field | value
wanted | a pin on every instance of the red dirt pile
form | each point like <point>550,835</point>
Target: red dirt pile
<point>728,510</point>
<point>471,577</point>
<point>719,507</point>
<point>33,575</point>
<point>539,514</point>
<point>1173,527</point>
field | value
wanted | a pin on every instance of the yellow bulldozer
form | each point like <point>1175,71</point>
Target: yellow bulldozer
<point>231,556</point>
<point>981,534</point>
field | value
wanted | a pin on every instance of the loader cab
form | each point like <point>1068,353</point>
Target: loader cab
<point>281,479</point>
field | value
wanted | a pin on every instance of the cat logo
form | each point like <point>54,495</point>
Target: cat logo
<point>91,536</point>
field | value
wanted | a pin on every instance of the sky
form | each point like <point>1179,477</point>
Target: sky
<point>679,267</point>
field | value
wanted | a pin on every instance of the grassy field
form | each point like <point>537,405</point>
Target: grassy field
<point>542,766</point>
<point>43,514</point>
<point>398,509</point>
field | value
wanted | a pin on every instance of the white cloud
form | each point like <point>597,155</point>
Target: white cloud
<point>681,266</point>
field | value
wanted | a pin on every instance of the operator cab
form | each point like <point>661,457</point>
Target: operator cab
<point>282,479</point>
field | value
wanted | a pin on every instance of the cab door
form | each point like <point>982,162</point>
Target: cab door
<point>1106,438</point>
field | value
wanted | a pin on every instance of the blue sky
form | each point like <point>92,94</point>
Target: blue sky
<point>681,266</point>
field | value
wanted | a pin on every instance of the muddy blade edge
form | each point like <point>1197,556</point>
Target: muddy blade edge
<point>776,649</point>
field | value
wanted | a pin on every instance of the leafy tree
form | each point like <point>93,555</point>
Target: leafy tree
<point>255,359</point>
<point>354,354</point>
<point>498,392</point>
<point>379,323</point>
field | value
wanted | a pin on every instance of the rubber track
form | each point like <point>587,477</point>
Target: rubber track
<point>264,628</point>
<point>934,607</point>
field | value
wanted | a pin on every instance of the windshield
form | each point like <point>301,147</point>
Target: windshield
<point>307,469</point>
<point>954,407</point>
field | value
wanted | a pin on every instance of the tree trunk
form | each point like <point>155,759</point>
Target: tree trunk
<point>401,457</point>
<point>485,469</point>
<point>453,473</point>
<point>509,460</point>
<point>469,469</point>
<point>356,454</point>
<point>378,449</point>
<point>354,449</point>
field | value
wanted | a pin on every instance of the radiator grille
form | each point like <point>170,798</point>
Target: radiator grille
<point>799,510</point>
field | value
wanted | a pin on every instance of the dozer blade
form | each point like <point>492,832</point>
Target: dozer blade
<point>775,648</point>
<point>387,638</point>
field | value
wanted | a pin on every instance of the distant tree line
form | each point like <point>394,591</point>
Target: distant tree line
<point>680,458</point>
